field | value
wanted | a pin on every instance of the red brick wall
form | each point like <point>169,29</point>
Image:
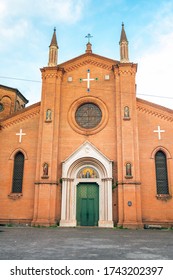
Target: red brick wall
<point>121,140</point>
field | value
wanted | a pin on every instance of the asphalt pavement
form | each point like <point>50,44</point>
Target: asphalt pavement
<point>84,243</point>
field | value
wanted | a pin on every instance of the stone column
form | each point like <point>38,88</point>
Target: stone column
<point>106,207</point>
<point>67,215</point>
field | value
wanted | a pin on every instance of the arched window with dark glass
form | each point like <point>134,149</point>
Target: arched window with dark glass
<point>18,173</point>
<point>161,173</point>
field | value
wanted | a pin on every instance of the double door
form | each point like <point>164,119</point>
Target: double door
<point>87,204</point>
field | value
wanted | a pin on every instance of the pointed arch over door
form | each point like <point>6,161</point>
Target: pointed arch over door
<point>97,170</point>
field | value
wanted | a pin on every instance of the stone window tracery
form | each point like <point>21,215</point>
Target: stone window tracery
<point>88,115</point>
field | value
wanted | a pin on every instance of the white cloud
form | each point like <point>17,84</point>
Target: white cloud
<point>19,18</point>
<point>69,11</point>
<point>2,8</point>
<point>156,62</point>
<point>155,75</point>
<point>23,27</point>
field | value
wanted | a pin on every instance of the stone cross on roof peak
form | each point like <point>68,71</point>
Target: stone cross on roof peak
<point>89,36</point>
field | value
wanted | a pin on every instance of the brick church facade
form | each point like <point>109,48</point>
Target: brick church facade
<point>90,153</point>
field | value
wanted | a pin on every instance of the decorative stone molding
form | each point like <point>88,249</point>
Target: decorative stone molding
<point>52,72</point>
<point>124,69</point>
<point>127,72</point>
<point>15,196</point>
<point>47,183</point>
<point>67,179</point>
<point>164,197</point>
<point>157,113</point>
<point>126,119</point>
<point>83,100</point>
<point>129,177</point>
<point>87,155</point>
<point>107,179</point>
<point>163,149</point>
<point>128,183</point>
<point>50,75</point>
<point>45,177</point>
<point>88,59</point>
<point>87,62</point>
<point>16,151</point>
<point>27,113</point>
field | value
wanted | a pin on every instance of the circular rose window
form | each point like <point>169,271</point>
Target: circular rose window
<point>88,115</point>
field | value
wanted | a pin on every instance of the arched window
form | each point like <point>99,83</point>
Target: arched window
<point>18,173</point>
<point>161,173</point>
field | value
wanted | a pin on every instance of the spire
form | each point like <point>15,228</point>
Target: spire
<point>124,57</point>
<point>54,40</point>
<point>53,50</point>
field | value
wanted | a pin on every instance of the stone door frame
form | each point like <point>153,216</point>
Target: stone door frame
<point>86,155</point>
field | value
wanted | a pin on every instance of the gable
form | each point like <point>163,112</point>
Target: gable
<point>20,116</point>
<point>88,59</point>
<point>152,109</point>
<point>87,151</point>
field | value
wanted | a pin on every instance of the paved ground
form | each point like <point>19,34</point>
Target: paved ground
<point>84,244</point>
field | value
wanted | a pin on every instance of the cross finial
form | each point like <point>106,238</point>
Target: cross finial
<point>89,37</point>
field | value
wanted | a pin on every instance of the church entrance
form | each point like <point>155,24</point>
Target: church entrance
<point>87,204</point>
<point>86,188</point>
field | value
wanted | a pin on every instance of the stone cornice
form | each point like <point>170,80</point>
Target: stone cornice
<point>47,183</point>
<point>88,62</point>
<point>129,183</point>
<point>52,72</point>
<point>21,116</point>
<point>125,68</point>
<point>154,110</point>
<point>127,71</point>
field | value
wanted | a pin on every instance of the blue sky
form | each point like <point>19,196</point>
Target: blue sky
<point>26,29</point>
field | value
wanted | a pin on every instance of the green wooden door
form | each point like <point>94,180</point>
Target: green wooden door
<point>83,212</point>
<point>87,204</point>
<point>91,212</point>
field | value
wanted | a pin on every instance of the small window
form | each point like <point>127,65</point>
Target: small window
<point>161,173</point>
<point>18,173</point>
